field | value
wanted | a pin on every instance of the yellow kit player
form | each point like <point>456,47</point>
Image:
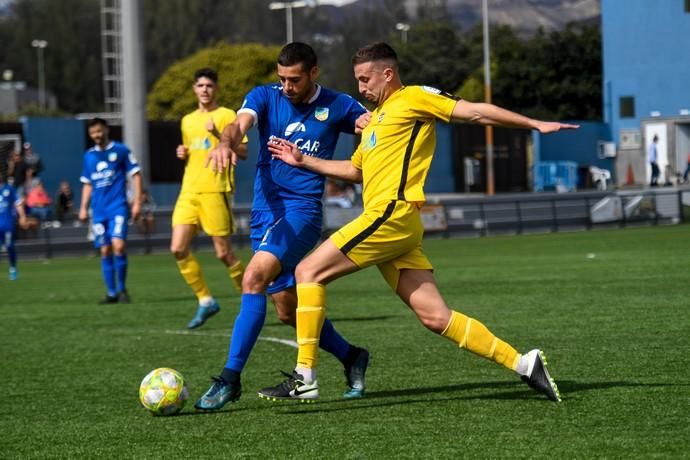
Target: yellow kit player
<point>206,196</point>
<point>392,162</point>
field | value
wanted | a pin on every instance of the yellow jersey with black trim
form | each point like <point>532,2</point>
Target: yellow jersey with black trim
<point>199,141</point>
<point>398,144</point>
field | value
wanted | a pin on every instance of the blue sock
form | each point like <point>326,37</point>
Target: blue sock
<point>12,255</point>
<point>121,270</point>
<point>108,274</point>
<point>332,342</point>
<point>245,331</point>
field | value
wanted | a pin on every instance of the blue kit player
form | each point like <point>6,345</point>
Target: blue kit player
<point>286,214</point>
<point>11,206</point>
<point>107,165</point>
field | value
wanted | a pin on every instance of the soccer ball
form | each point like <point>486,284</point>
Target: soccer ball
<point>163,391</point>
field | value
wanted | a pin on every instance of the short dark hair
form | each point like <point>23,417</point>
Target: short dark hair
<point>206,72</point>
<point>298,53</point>
<point>379,51</point>
<point>97,121</point>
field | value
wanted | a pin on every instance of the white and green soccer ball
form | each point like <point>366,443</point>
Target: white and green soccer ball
<point>163,391</point>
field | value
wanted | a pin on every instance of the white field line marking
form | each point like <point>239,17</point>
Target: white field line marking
<point>289,343</point>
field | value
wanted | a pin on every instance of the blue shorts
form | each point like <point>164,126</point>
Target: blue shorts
<point>105,230</point>
<point>289,235</point>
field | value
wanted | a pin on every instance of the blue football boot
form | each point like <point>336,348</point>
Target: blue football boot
<point>354,375</point>
<point>220,393</point>
<point>202,314</point>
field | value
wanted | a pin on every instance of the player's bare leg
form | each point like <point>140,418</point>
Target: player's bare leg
<point>417,288</point>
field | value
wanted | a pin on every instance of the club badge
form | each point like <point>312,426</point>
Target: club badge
<point>321,113</point>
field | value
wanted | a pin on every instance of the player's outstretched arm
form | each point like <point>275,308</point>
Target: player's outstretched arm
<point>490,114</point>
<point>288,152</point>
<point>224,153</point>
<point>241,151</point>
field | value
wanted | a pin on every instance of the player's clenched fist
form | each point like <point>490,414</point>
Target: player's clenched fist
<point>182,152</point>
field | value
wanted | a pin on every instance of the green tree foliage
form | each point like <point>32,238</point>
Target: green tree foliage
<point>433,56</point>
<point>72,58</point>
<point>555,75</point>
<point>240,68</point>
<point>549,75</point>
<point>177,28</point>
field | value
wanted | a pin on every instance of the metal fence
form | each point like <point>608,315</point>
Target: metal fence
<point>529,213</point>
<point>445,216</point>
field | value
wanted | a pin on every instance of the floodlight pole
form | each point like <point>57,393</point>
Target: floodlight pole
<point>489,131</point>
<point>40,46</point>
<point>403,28</point>
<point>288,6</point>
<point>134,123</point>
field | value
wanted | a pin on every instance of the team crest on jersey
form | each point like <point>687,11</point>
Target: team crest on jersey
<point>381,115</point>
<point>431,89</point>
<point>112,156</point>
<point>321,113</point>
<point>370,143</point>
<point>6,192</point>
<point>200,143</point>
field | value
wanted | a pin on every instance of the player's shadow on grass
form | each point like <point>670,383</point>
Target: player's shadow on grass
<point>571,386</point>
<point>168,299</point>
<point>336,321</point>
<point>520,391</point>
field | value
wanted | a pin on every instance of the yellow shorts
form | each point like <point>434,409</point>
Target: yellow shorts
<point>388,236</point>
<point>210,211</point>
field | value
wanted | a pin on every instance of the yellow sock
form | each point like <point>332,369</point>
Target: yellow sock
<point>311,313</point>
<point>191,272</point>
<point>472,335</point>
<point>236,272</point>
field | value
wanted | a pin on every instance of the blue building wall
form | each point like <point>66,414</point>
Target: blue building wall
<point>60,143</point>
<point>580,146</point>
<point>646,55</point>
<point>441,178</point>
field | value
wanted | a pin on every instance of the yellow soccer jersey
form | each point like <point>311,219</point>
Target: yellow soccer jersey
<point>195,136</point>
<point>398,144</point>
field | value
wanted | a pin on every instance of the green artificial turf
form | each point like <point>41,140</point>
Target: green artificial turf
<point>609,308</point>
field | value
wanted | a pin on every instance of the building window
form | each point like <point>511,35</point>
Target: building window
<point>627,104</point>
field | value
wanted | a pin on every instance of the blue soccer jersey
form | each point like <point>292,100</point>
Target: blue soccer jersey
<point>107,171</point>
<point>314,126</point>
<point>8,212</point>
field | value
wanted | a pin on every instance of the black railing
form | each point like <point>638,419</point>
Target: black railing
<point>450,216</point>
